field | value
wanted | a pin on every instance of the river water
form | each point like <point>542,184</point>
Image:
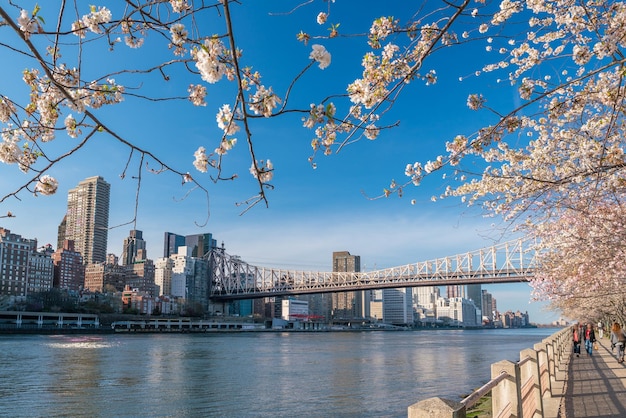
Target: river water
<point>248,374</point>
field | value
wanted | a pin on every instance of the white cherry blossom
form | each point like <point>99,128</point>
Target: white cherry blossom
<point>320,55</point>
<point>47,185</point>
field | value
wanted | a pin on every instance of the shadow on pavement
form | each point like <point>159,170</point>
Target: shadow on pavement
<point>595,385</point>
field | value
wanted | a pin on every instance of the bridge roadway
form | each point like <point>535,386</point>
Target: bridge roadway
<point>509,262</point>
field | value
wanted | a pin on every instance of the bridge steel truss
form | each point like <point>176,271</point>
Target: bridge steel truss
<point>508,262</point>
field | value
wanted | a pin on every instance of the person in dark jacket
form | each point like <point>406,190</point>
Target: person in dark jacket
<point>590,338</point>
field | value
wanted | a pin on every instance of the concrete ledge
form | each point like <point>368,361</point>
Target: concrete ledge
<point>436,408</point>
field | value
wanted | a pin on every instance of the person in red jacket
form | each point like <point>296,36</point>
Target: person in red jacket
<point>577,338</point>
<point>590,338</point>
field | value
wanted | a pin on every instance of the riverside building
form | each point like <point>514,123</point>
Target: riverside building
<point>398,306</point>
<point>190,279</point>
<point>40,271</point>
<point>102,277</point>
<point>348,306</point>
<point>14,255</point>
<point>69,270</point>
<point>457,312</point>
<point>294,309</point>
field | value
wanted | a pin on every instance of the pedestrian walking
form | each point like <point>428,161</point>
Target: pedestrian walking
<point>618,339</point>
<point>600,330</point>
<point>577,338</point>
<point>590,338</point>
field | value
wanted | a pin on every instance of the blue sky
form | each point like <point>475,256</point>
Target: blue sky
<point>311,212</point>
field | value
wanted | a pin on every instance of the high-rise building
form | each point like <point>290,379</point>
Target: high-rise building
<point>200,244</point>
<point>87,218</point>
<point>347,305</point>
<point>171,243</point>
<point>163,276</point>
<point>488,304</point>
<point>474,293</point>
<point>134,248</point>
<point>61,232</point>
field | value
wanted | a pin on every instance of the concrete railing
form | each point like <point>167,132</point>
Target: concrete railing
<point>520,389</point>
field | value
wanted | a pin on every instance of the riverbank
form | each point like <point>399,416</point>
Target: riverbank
<point>55,331</point>
<point>17,322</point>
<point>218,328</point>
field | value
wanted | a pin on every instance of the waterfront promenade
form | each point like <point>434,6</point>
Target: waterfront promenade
<point>548,381</point>
<point>593,386</point>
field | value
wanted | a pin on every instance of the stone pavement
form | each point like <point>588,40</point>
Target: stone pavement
<point>593,386</point>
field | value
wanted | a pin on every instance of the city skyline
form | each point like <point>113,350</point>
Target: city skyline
<point>342,261</point>
<point>513,304</point>
<point>398,306</point>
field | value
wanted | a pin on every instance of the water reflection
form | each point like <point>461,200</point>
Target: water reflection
<point>248,374</point>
